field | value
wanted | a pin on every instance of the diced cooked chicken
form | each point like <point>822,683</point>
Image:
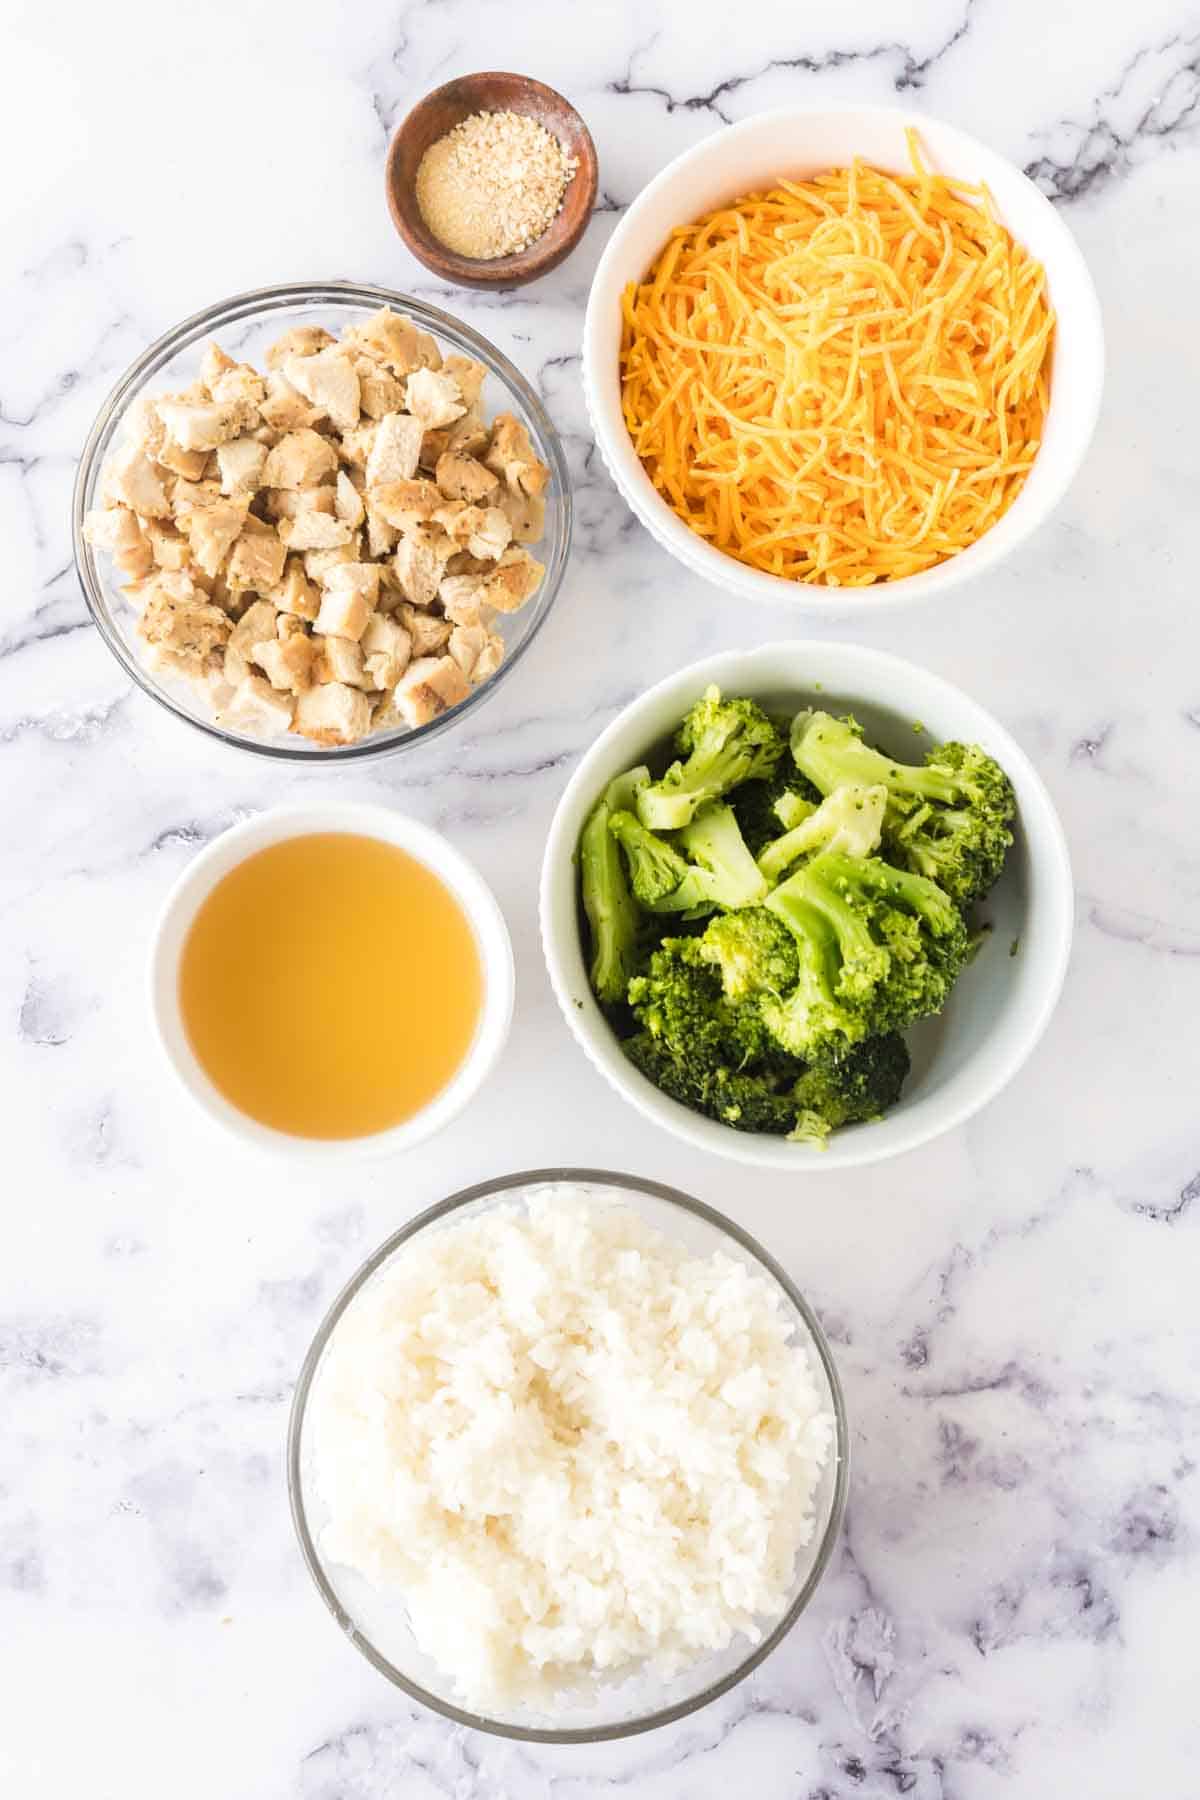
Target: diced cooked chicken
<point>287,662</point>
<point>258,707</point>
<point>381,537</point>
<point>330,381</point>
<point>387,647</point>
<point>462,478</point>
<point>340,659</point>
<point>295,594</point>
<point>349,598</point>
<point>203,424</point>
<point>526,513</point>
<point>312,530</point>
<point>134,481</point>
<point>212,530</point>
<point>433,397</point>
<point>395,450</point>
<point>213,364</point>
<point>379,391</point>
<point>283,408</point>
<point>470,376</point>
<point>462,599</point>
<point>317,563</point>
<point>256,626</point>
<point>515,578</point>
<point>393,340</point>
<point>300,459</point>
<point>430,687</point>
<point>333,714</point>
<point>323,546</point>
<point>256,562</point>
<point>511,454</point>
<point>177,619</point>
<point>301,340</point>
<point>348,502</point>
<point>191,464</point>
<point>428,632</point>
<point>419,560</point>
<point>406,504</point>
<point>169,548</point>
<point>240,465</point>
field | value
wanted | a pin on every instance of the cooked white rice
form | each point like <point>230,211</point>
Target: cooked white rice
<point>568,1444</point>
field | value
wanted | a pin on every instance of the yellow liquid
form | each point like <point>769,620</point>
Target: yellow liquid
<point>330,986</point>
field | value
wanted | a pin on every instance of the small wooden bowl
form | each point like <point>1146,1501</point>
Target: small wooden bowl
<point>438,113</point>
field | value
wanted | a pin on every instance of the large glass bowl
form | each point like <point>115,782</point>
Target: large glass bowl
<point>376,1622</point>
<point>244,326</point>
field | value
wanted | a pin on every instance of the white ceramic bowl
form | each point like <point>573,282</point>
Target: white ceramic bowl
<point>469,889</point>
<point>800,141</point>
<point>1004,999</point>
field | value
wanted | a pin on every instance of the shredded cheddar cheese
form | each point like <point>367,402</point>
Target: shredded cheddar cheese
<point>842,380</point>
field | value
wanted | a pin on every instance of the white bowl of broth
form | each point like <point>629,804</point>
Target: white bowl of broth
<point>331,980</point>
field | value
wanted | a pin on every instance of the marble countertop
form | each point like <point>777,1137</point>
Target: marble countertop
<point>1013,1308</point>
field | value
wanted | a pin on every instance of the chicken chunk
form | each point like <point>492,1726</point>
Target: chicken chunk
<point>477,651</point>
<point>357,445</point>
<point>256,626</point>
<point>340,659</point>
<point>469,375</point>
<point>330,381</point>
<point>213,364</point>
<point>379,391</point>
<point>203,424</point>
<point>483,530</point>
<point>290,503</point>
<point>134,481</point>
<point>428,631</point>
<point>177,619</point>
<point>381,537</point>
<point>348,502</point>
<point>387,647</point>
<point>300,459</point>
<point>287,663</point>
<point>462,478</point>
<point>143,428</point>
<point>526,514</point>
<point>433,397</point>
<point>169,548</point>
<point>333,714</point>
<point>313,530</point>
<point>191,464</point>
<point>301,340</point>
<point>240,465</point>
<point>406,504</point>
<point>112,528</point>
<point>430,687</point>
<point>510,453</point>
<point>350,597</point>
<point>463,600</point>
<point>283,408</point>
<point>258,707</point>
<point>317,563</point>
<point>419,560</point>
<point>212,530</point>
<point>393,340</point>
<point>395,450</point>
<point>257,559</point>
<point>295,595</point>
<point>241,387</point>
<point>516,577</point>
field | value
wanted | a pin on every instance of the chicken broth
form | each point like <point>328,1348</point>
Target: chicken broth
<point>330,985</point>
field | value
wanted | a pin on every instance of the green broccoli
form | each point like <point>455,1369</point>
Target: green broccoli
<point>877,948</point>
<point>725,742</point>
<point>748,1102</point>
<point>949,819</point>
<point>723,874</point>
<point>679,1000</point>
<point>848,1089</point>
<point>763,806</point>
<point>753,951</point>
<point>791,807</point>
<point>612,913</point>
<point>849,820</point>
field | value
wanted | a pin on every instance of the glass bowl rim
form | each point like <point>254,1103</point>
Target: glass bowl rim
<point>265,300</point>
<point>498,1185</point>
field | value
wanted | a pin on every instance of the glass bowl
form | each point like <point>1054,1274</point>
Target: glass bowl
<point>244,326</point>
<point>376,1623</point>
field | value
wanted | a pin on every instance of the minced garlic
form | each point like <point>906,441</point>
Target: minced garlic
<point>494,184</point>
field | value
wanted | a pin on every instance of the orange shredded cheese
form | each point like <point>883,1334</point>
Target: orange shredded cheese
<point>842,380</point>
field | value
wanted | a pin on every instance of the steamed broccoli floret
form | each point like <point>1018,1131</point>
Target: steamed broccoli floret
<point>878,947</point>
<point>679,1000</point>
<point>723,872</point>
<point>725,743</point>
<point>612,913</point>
<point>850,820</point>
<point>949,819</point>
<point>748,1102</point>
<point>844,1090</point>
<point>753,952</point>
<point>763,808</point>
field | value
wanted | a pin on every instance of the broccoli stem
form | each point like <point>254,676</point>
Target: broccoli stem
<point>612,913</point>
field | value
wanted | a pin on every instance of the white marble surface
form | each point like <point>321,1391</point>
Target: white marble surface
<point>1014,1308</point>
